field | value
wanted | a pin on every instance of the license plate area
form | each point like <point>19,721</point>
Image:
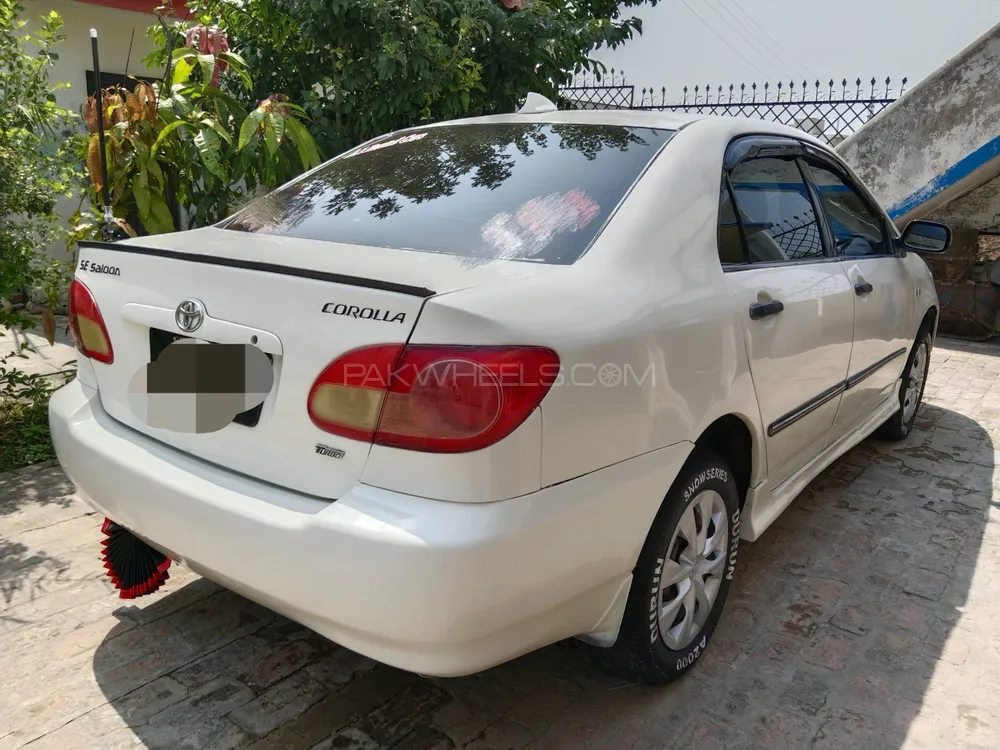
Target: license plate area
<point>160,340</point>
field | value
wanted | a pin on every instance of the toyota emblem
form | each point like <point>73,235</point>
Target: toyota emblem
<point>190,315</point>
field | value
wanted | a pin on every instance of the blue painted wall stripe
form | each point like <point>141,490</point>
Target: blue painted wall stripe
<point>952,175</point>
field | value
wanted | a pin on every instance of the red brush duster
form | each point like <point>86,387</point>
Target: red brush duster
<point>133,566</point>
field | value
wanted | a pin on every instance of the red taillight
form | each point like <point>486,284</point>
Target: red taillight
<point>87,324</point>
<point>439,399</point>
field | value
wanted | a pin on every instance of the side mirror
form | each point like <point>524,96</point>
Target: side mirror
<point>926,237</point>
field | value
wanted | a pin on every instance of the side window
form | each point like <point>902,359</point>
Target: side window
<point>778,216</point>
<point>730,242</point>
<point>858,231</point>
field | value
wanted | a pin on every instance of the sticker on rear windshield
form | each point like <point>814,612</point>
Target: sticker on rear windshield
<point>91,267</point>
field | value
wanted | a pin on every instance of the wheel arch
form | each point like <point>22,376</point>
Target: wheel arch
<point>732,439</point>
<point>929,322</point>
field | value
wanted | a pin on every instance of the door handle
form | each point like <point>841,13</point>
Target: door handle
<point>761,310</point>
<point>861,289</point>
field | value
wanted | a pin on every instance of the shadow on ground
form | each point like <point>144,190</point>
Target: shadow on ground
<point>30,498</point>
<point>839,618</point>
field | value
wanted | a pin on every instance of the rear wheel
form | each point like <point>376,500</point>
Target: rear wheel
<point>911,391</point>
<point>682,578</point>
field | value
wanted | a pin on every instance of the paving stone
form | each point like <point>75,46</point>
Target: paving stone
<point>865,617</point>
<point>504,734</point>
<point>808,691</point>
<point>544,704</point>
<point>281,662</point>
<point>843,729</point>
<point>413,707</point>
<point>424,738</point>
<point>139,706</point>
<point>279,704</point>
<point>340,667</point>
<point>779,730</point>
<point>831,649</point>
<point>351,738</point>
<point>235,660</point>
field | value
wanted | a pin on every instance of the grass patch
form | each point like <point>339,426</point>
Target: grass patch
<point>24,433</point>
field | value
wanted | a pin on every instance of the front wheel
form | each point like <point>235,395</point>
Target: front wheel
<point>681,580</point>
<point>911,391</point>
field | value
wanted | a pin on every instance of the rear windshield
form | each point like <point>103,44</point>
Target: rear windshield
<point>512,191</point>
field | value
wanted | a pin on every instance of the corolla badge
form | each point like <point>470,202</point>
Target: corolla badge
<point>190,315</point>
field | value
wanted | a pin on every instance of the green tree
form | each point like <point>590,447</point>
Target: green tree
<point>37,162</point>
<point>188,144</point>
<point>365,67</point>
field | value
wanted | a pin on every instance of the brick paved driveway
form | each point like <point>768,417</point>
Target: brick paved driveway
<point>864,618</point>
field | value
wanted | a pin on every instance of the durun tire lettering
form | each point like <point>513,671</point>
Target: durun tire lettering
<point>705,497</point>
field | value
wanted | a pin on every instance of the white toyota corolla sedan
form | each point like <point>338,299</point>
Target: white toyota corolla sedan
<point>501,381</point>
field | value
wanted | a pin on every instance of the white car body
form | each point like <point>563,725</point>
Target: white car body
<point>449,563</point>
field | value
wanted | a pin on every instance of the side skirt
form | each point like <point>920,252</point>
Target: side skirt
<point>765,503</point>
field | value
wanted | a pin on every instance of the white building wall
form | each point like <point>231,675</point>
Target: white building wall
<point>117,30</point>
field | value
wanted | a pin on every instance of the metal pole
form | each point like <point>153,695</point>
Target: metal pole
<point>106,193</point>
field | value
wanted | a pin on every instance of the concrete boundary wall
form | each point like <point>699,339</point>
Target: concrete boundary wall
<point>940,141</point>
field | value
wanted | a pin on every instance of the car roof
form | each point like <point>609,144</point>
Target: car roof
<point>639,118</point>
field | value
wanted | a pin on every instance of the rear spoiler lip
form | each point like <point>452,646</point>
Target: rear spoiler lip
<point>252,265</point>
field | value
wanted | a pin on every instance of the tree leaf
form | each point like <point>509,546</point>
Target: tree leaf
<point>217,127</point>
<point>270,138</point>
<point>164,133</point>
<point>207,63</point>
<point>279,125</point>
<point>181,72</point>
<point>308,151</point>
<point>49,326</point>
<point>160,214</point>
<point>208,144</point>
<point>249,127</point>
<point>142,198</point>
<point>94,161</point>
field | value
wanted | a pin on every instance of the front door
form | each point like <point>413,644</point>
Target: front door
<point>796,302</point>
<point>882,301</point>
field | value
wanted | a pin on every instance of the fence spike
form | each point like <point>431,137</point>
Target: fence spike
<point>767,85</point>
<point>903,87</point>
<point>874,82</point>
<point>888,81</point>
<point>857,93</point>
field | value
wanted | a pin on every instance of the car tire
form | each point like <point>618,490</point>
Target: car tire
<point>653,653</point>
<point>911,390</point>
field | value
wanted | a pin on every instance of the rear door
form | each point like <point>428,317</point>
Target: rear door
<point>884,300</point>
<point>795,301</point>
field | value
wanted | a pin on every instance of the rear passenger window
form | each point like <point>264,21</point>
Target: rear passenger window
<point>857,229</point>
<point>778,216</point>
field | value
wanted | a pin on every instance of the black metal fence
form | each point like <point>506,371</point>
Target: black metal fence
<point>829,111</point>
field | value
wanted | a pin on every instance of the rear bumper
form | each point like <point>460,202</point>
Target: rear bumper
<point>440,588</point>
